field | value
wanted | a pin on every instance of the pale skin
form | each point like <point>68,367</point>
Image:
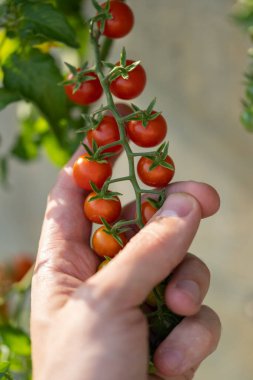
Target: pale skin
<point>87,325</point>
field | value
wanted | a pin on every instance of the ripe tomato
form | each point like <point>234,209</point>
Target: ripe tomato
<point>105,245</point>
<point>85,171</point>
<point>133,86</point>
<point>157,177</point>
<point>106,133</point>
<point>108,209</point>
<point>89,91</point>
<point>147,211</point>
<point>149,136</point>
<point>122,20</point>
<point>20,266</point>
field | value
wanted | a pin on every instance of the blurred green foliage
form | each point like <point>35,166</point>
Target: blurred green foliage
<point>243,15</point>
<point>35,38</point>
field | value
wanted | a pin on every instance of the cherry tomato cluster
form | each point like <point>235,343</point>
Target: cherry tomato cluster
<point>106,136</point>
<point>109,132</point>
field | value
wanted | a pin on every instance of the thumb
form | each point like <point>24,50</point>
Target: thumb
<point>151,255</point>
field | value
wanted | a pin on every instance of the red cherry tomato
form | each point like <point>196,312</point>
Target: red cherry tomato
<point>157,177</point>
<point>106,133</point>
<point>133,86</point>
<point>105,245</point>
<point>149,136</point>
<point>122,20</point>
<point>147,211</point>
<point>89,91</point>
<point>85,171</point>
<point>20,266</point>
<point>108,209</point>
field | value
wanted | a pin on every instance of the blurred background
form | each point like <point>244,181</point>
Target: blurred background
<point>194,56</point>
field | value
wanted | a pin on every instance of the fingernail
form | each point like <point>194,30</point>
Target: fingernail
<point>190,288</point>
<point>174,359</point>
<point>179,205</point>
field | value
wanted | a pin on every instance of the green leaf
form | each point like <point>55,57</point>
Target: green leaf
<point>69,7</point>
<point>16,340</point>
<point>4,367</point>
<point>3,169</point>
<point>247,119</point>
<point>55,152</point>
<point>30,138</point>
<point>35,77</point>
<point>7,97</point>
<point>43,22</point>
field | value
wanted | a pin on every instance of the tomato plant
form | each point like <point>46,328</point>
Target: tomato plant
<point>97,208</point>
<point>65,109</point>
<point>105,133</point>
<point>108,131</point>
<point>131,87</point>
<point>105,244</point>
<point>85,170</point>
<point>159,176</point>
<point>121,21</point>
<point>87,92</point>
<point>148,135</point>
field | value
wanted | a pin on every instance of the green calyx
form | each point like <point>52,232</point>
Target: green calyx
<point>103,14</point>
<point>159,158</point>
<point>121,70</point>
<point>145,116</point>
<point>96,154</point>
<point>157,203</point>
<point>79,76</point>
<point>104,193</point>
<point>114,231</point>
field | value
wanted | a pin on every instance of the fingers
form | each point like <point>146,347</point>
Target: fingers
<point>188,286</point>
<point>177,355</point>
<point>152,254</point>
<point>206,195</point>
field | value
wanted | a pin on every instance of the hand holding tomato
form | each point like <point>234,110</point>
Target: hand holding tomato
<point>94,319</point>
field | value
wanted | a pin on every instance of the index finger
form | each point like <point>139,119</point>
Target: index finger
<point>151,255</point>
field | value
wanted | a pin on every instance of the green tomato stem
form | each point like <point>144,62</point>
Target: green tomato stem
<point>112,107</point>
<point>123,137</point>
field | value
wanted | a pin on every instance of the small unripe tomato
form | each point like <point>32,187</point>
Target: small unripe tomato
<point>103,264</point>
<point>151,299</point>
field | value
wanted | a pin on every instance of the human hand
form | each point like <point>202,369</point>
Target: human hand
<point>88,325</point>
